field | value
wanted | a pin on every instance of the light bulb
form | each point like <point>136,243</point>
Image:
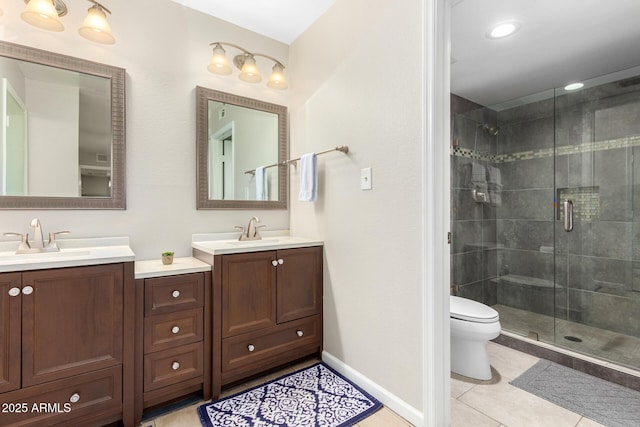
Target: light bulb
<point>95,26</point>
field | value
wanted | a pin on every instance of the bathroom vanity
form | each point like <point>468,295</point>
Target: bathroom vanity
<point>267,302</point>
<point>173,331</point>
<point>66,328</point>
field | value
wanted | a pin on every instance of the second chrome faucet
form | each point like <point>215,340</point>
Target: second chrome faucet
<point>252,230</point>
<point>37,244</point>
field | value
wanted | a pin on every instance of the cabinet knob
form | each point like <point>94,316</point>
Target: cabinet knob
<point>280,261</point>
<point>27,290</point>
<point>175,329</point>
<point>175,294</point>
<point>175,366</point>
<point>250,347</point>
<point>14,292</point>
<point>75,398</point>
<point>299,332</point>
<point>274,262</point>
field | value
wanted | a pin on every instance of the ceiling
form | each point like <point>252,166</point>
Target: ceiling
<point>282,20</point>
<point>559,42</point>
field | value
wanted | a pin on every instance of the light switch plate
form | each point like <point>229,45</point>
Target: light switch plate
<point>365,179</point>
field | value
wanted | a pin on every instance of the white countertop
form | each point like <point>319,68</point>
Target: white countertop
<point>73,253</point>
<point>228,243</point>
<point>155,267</point>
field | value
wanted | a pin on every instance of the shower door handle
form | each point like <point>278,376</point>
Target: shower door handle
<point>568,215</point>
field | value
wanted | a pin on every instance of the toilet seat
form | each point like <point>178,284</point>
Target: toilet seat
<point>471,311</point>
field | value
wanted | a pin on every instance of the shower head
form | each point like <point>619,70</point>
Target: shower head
<point>489,130</point>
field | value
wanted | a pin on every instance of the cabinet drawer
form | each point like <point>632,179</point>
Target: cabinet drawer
<point>173,293</point>
<point>171,366</point>
<point>51,403</point>
<point>251,348</point>
<point>173,329</point>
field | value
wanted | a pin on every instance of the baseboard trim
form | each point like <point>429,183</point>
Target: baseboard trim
<point>387,398</point>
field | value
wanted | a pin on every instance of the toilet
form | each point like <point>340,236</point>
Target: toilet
<point>473,324</point>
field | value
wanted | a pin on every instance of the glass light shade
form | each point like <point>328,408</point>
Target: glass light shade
<point>250,71</point>
<point>219,64</point>
<point>42,14</point>
<point>95,26</point>
<point>277,79</point>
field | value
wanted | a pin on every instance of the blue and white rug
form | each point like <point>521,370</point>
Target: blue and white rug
<point>316,396</point>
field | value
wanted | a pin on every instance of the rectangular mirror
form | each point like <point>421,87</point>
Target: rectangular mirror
<point>62,141</point>
<point>235,137</point>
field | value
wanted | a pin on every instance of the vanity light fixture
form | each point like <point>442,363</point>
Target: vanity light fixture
<point>246,63</point>
<point>503,29</point>
<point>95,26</point>
<point>46,14</point>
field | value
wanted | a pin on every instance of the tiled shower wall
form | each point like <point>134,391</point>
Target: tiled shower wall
<point>473,225</point>
<point>596,267</point>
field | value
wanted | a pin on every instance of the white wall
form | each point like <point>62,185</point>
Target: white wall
<point>164,48</point>
<point>357,81</point>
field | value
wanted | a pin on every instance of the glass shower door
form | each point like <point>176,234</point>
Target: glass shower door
<point>597,220</point>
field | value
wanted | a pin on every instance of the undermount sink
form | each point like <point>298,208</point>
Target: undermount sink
<point>228,243</point>
<point>45,255</point>
<point>267,240</point>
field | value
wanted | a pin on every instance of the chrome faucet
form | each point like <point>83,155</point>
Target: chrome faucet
<point>252,230</point>
<point>37,245</point>
<point>36,229</point>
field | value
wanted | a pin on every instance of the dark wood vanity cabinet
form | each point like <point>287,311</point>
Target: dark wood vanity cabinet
<point>63,350</point>
<point>270,309</point>
<point>173,338</point>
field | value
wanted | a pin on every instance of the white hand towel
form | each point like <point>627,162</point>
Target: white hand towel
<point>495,186</point>
<point>479,177</point>
<point>308,178</point>
<point>261,184</point>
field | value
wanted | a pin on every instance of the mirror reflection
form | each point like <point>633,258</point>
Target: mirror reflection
<point>53,117</point>
<point>240,140</point>
<point>241,144</point>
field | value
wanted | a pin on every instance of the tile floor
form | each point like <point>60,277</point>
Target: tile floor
<point>493,403</point>
<point>496,403</point>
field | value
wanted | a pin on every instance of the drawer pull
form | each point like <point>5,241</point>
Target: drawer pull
<point>251,347</point>
<point>27,290</point>
<point>75,398</point>
<point>274,263</point>
<point>175,294</point>
<point>175,366</point>
<point>14,292</point>
<point>175,329</point>
<point>299,332</point>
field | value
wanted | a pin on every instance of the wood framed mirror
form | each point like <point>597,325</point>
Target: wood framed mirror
<point>63,139</point>
<point>235,136</point>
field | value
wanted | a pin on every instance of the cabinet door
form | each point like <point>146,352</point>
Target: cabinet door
<point>72,321</point>
<point>248,292</point>
<point>9,331</point>
<point>299,283</point>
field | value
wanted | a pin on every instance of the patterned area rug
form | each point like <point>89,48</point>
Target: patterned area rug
<point>316,396</point>
<point>607,403</point>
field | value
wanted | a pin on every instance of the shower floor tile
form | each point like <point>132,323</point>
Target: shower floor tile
<point>605,345</point>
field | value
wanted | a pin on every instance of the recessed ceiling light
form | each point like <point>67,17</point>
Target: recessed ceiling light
<point>574,86</point>
<point>503,29</point>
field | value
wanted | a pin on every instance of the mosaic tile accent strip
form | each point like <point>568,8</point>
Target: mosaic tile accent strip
<point>586,203</point>
<point>472,154</point>
<point>611,144</point>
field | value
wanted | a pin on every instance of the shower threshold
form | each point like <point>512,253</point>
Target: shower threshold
<point>598,346</point>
